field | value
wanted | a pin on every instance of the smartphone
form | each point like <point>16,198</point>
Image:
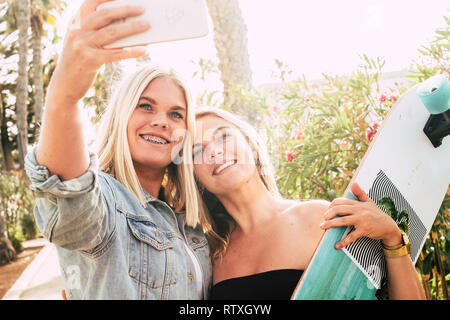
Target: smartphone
<point>170,20</point>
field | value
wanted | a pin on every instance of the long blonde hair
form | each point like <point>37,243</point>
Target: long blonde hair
<point>222,223</point>
<point>114,153</point>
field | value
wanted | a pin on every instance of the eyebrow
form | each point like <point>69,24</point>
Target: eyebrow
<point>153,101</point>
<point>214,133</point>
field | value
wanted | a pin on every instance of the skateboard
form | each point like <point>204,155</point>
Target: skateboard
<point>406,172</point>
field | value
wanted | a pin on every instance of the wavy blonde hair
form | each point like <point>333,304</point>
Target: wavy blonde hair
<point>114,153</point>
<point>221,222</point>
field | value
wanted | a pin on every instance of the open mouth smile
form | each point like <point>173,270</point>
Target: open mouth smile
<point>154,139</point>
<point>218,170</point>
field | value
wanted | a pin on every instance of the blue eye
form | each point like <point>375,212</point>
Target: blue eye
<point>177,115</point>
<point>145,106</point>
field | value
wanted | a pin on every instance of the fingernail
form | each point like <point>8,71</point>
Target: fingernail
<point>338,246</point>
<point>143,51</point>
<point>144,24</point>
<point>323,224</point>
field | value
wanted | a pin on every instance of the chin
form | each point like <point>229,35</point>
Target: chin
<point>153,163</point>
<point>229,185</point>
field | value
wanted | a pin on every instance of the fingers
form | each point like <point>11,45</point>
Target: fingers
<point>351,237</point>
<point>359,193</point>
<point>104,17</point>
<point>89,6</point>
<point>118,31</point>
<point>340,210</point>
<point>114,55</point>
<point>345,222</point>
<point>339,222</point>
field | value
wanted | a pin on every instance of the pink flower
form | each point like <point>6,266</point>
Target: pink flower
<point>289,156</point>
<point>383,98</point>
<point>392,98</point>
<point>371,131</point>
<point>299,135</point>
<point>369,134</point>
<point>275,109</point>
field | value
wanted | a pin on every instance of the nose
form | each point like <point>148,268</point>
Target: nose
<point>159,121</point>
<point>216,151</point>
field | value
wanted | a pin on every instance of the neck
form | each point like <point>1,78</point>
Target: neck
<point>250,205</point>
<point>150,179</point>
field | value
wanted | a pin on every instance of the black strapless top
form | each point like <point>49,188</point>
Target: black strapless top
<point>270,285</point>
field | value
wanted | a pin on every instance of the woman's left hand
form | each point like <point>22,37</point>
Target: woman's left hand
<point>367,219</point>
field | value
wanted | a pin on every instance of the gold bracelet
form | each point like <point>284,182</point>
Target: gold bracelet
<point>392,247</point>
<point>398,250</point>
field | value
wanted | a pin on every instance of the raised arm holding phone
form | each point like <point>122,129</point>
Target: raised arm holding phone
<point>82,57</point>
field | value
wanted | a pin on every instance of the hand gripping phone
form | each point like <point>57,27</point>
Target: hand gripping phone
<point>170,20</point>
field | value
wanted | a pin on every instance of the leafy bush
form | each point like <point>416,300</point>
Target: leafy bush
<point>324,129</point>
<point>18,202</point>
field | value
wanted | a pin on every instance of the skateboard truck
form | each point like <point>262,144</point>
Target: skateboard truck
<point>435,95</point>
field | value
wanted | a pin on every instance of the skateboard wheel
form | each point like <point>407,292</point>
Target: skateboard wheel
<point>435,94</point>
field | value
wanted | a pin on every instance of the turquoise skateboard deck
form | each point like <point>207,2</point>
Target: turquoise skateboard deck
<point>408,162</point>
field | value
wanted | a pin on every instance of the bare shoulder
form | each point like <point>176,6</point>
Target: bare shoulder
<point>314,208</point>
<point>307,217</point>
<point>310,211</point>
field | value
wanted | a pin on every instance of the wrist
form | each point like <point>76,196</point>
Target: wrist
<point>59,94</point>
<point>393,239</point>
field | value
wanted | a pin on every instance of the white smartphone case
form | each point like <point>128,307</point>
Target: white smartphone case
<point>170,20</point>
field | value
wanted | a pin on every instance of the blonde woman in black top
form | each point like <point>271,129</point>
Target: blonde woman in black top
<point>262,242</point>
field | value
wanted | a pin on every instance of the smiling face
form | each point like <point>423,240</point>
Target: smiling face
<point>223,159</point>
<point>157,125</point>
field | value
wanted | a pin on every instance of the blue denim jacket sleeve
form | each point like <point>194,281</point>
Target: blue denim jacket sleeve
<point>71,214</point>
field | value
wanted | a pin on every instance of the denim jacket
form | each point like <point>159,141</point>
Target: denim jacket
<point>110,246</point>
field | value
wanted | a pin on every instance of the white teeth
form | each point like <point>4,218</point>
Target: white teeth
<point>155,139</point>
<point>224,166</point>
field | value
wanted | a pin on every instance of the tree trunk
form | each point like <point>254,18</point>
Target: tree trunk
<point>2,159</point>
<point>230,39</point>
<point>23,22</point>
<point>7,147</point>
<point>38,85</point>
<point>7,252</point>
<point>2,154</point>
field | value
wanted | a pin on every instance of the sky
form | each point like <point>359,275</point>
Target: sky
<point>317,36</point>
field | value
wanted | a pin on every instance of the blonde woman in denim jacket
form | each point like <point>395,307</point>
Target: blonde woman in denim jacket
<point>125,220</point>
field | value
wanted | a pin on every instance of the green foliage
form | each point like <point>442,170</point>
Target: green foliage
<point>401,219</point>
<point>435,56</point>
<point>205,68</point>
<point>323,130</point>
<point>18,202</point>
